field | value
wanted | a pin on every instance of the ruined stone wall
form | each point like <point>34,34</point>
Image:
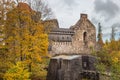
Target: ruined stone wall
<point>85,35</point>
<point>53,23</point>
<point>83,40</point>
<point>61,48</point>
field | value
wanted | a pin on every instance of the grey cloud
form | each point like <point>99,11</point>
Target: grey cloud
<point>107,9</point>
<point>70,2</point>
<point>117,29</point>
<point>108,28</point>
<point>117,26</point>
<point>94,20</point>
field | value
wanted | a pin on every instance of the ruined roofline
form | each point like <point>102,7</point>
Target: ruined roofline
<point>69,54</point>
<point>91,23</point>
<point>62,30</point>
<point>61,33</point>
<point>51,22</point>
<point>83,17</point>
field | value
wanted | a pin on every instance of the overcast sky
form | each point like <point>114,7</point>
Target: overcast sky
<point>107,12</point>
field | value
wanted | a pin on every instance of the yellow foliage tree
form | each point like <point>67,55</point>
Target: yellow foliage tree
<point>25,38</point>
<point>17,72</point>
<point>109,57</point>
<point>5,6</point>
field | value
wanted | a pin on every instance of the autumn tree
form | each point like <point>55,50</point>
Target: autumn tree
<point>17,72</point>
<point>108,57</point>
<point>1,22</point>
<point>5,6</point>
<point>25,38</point>
<point>109,60</point>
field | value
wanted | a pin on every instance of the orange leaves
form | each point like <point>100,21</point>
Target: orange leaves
<point>24,6</point>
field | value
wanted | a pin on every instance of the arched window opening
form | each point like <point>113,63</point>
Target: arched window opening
<point>85,37</point>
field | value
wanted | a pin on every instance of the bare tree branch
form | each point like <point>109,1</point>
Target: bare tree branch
<point>41,6</point>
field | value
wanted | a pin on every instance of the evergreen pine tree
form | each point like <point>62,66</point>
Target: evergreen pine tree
<point>113,34</point>
<point>100,40</point>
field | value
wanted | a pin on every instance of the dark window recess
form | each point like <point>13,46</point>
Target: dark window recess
<point>85,37</point>
<point>60,64</point>
<point>85,62</point>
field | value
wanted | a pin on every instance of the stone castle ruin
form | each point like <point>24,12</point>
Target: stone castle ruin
<point>78,39</point>
<point>73,46</point>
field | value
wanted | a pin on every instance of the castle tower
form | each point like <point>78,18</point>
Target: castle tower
<point>85,35</point>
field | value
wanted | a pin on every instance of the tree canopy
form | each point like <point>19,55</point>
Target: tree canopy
<point>25,42</point>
